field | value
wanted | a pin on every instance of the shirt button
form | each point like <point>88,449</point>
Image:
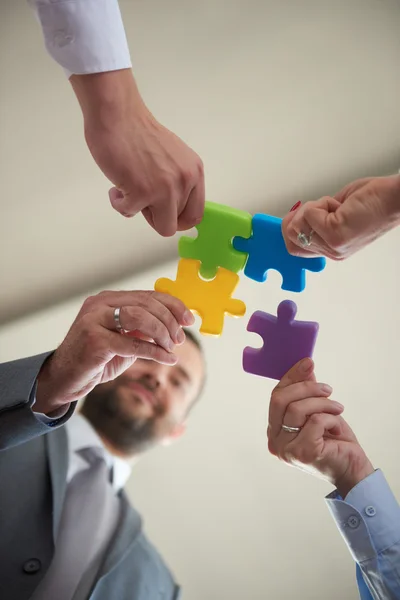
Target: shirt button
<point>353,522</point>
<point>61,38</point>
<point>31,566</point>
<point>370,511</point>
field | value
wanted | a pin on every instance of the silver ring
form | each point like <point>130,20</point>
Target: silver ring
<point>305,240</point>
<point>118,326</point>
<point>291,429</point>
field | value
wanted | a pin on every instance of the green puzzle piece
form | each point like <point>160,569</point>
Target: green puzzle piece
<point>213,244</point>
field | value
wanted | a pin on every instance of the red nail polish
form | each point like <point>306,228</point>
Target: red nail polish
<point>295,206</point>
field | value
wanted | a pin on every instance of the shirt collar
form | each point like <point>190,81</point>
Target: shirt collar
<point>81,435</point>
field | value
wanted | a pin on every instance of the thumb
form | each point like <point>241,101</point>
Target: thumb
<point>122,203</point>
<point>301,371</point>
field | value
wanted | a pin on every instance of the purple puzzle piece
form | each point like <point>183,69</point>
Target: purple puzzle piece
<point>286,341</point>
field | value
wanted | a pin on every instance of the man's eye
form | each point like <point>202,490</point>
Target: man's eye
<point>176,382</point>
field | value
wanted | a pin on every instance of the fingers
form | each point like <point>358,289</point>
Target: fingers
<point>307,445</point>
<point>298,413</point>
<point>193,212</point>
<point>156,316</point>
<point>143,298</point>
<point>317,217</point>
<point>291,399</point>
<point>121,203</point>
<point>163,216</point>
<point>301,371</point>
<point>127,346</point>
<point>154,321</point>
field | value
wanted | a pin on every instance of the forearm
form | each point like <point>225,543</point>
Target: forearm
<point>18,423</point>
<point>369,521</point>
<point>83,36</point>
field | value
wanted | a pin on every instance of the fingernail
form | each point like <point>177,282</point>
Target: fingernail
<point>306,365</point>
<point>170,345</point>
<point>338,404</point>
<point>295,206</point>
<point>326,388</point>
<point>180,336</point>
<point>188,318</point>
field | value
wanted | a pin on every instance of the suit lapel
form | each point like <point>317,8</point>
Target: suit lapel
<point>57,453</point>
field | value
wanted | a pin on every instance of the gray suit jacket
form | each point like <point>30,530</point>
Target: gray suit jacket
<point>33,469</point>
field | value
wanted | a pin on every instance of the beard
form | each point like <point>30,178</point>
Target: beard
<point>128,433</point>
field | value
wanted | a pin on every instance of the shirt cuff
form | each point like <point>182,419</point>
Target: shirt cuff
<point>368,518</point>
<point>84,36</point>
<point>50,421</point>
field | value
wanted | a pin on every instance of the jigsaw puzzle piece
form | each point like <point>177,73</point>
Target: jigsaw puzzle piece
<point>266,250</point>
<point>213,244</point>
<point>286,341</point>
<point>211,300</point>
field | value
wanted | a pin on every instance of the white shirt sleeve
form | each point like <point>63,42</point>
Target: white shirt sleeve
<point>84,36</point>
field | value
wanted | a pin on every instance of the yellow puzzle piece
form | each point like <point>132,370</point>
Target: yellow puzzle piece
<point>211,299</point>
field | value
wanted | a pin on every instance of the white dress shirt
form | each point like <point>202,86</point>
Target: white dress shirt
<point>82,435</point>
<point>84,36</point>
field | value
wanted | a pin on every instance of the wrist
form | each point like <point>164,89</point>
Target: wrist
<point>107,97</point>
<point>47,400</point>
<point>358,471</point>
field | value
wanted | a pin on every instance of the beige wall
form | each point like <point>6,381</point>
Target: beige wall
<point>231,520</point>
<point>283,99</point>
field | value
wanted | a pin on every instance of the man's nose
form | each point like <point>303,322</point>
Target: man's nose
<point>152,381</point>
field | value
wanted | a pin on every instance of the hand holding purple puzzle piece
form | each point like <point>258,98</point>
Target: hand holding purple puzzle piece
<point>286,341</point>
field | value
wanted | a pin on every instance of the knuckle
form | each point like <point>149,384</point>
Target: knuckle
<point>277,397</point>
<point>135,344</point>
<point>188,175</point>
<point>88,332</point>
<point>316,419</point>
<point>294,411</point>
<point>200,167</point>
<point>90,301</point>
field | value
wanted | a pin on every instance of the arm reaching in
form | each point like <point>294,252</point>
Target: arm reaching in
<point>153,171</point>
<point>92,352</point>
<point>363,506</point>
<point>339,226</point>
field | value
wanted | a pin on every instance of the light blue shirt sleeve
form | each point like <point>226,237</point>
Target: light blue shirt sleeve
<point>84,36</point>
<point>369,521</point>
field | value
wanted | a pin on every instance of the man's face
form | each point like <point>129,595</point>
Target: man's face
<point>148,403</point>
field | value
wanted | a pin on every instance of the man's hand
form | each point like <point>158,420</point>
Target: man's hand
<point>325,446</point>
<point>343,224</point>
<point>153,171</point>
<point>94,352</point>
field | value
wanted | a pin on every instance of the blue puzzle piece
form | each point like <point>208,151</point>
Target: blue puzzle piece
<point>267,250</point>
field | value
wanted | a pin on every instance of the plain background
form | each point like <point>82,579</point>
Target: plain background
<point>284,100</point>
